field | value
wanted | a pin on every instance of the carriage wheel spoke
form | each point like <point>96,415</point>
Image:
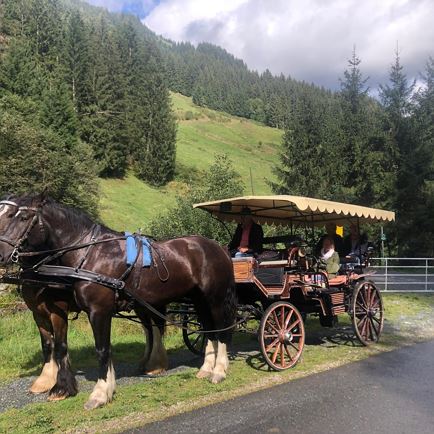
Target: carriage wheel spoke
<point>288,318</point>
<point>370,294</point>
<point>374,329</point>
<point>363,298</point>
<point>274,335</point>
<point>282,317</point>
<point>376,320</point>
<point>293,346</point>
<point>289,354</point>
<point>269,323</point>
<point>276,352</point>
<point>196,340</point>
<point>361,306</point>
<point>294,324</point>
<point>276,320</point>
<point>282,356</point>
<point>269,347</point>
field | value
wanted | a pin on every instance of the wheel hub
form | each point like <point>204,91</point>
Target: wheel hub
<point>285,337</point>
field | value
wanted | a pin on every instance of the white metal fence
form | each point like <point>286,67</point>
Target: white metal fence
<point>403,274</point>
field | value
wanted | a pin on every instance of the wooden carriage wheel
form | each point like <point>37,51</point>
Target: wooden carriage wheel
<point>281,335</point>
<point>195,342</point>
<point>367,312</point>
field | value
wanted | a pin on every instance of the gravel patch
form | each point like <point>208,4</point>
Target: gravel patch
<point>15,394</point>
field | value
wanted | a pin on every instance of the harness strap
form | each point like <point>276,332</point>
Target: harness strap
<point>90,276</point>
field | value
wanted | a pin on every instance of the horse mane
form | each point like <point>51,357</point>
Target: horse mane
<point>76,217</point>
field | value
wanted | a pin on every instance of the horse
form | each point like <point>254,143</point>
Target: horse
<point>193,267</point>
<point>50,308</point>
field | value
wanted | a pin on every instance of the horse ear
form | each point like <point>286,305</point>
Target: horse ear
<point>44,195</point>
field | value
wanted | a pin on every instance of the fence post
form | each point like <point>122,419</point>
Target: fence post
<point>385,275</point>
<point>426,274</point>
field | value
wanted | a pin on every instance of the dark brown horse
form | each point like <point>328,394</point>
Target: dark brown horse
<point>193,267</point>
<point>50,308</point>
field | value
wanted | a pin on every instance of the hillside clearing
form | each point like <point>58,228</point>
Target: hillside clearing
<point>128,204</point>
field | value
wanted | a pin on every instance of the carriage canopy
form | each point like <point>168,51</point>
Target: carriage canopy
<point>288,210</point>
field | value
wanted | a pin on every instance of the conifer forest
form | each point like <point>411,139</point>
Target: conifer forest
<point>85,94</point>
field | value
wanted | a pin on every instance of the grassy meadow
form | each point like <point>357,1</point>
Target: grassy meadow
<point>409,319</point>
<point>129,203</point>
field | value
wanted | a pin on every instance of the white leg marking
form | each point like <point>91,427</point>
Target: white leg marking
<point>103,391</point>
<point>222,364</point>
<point>47,379</point>
<point>158,361</point>
<point>209,363</point>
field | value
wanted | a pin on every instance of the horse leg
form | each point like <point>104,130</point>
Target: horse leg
<point>35,301</point>
<point>208,365</point>
<point>66,384</point>
<point>223,315</point>
<point>206,370</point>
<point>106,384</point>
<point>158,361</point>
<point>47,378</point>
<point>155,360</point>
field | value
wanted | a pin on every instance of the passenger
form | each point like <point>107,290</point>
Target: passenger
<point>355,244</point>
<point>248,237</point>
<point>330,257</point>
<point>331,233</point>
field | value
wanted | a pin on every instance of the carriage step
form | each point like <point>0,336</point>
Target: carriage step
<point>337,298</point>
<point>336,310</point>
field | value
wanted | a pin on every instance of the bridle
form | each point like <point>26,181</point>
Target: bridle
<point>17,244</point>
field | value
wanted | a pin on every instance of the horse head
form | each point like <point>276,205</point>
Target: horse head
<point>21,226</point>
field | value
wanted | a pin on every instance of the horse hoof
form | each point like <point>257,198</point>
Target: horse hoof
<point>158,371</point>
<point>92,404</point>
<point>56,397</point>
<point>203,374</point>
<point>38,389</point>
<point>217,378</point>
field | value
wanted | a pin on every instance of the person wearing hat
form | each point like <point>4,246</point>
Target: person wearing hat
<point>337,240</point>
<point>248,237</point>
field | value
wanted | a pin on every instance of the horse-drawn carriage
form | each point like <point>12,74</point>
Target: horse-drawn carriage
<point>60,248</point>
<point>281,289</point>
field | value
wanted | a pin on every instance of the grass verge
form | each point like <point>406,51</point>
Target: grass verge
<point>408,320</point>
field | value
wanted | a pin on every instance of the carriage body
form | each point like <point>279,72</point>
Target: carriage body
<point>281,292</point>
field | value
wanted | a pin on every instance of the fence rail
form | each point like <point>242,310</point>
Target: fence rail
<point>403,274</point>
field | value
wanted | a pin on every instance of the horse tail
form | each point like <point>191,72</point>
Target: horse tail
<point>229,311</point>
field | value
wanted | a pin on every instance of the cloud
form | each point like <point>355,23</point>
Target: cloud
<point>309,40</point>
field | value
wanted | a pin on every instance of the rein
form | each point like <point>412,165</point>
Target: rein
<point>42,268</point>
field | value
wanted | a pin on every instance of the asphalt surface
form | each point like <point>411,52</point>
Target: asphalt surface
<point>389,393</point>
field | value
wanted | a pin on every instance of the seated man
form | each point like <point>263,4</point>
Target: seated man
<point>331,233</point>
<point>330,257</point>
<point>355,244</point>
<point>248,237</point>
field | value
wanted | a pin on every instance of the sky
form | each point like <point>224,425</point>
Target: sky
<point>309,40</point>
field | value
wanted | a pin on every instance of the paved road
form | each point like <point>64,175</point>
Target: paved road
<point>389,393</point>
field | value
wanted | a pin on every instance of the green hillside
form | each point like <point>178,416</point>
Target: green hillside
<point>130,203</point>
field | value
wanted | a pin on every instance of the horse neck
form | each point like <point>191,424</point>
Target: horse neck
<point>61,231</point>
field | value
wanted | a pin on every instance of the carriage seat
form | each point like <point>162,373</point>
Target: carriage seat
<point>339,280</point>
<point>272,264</point>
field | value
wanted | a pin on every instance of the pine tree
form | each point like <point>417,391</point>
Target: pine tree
<point>398,106</point>
<point>77,61</point>
<point>310,160</point>
<point>368,156</point>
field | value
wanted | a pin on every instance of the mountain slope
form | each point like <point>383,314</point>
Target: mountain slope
<point>202,133</point>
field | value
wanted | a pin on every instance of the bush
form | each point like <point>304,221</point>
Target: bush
<point>221,181</point>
